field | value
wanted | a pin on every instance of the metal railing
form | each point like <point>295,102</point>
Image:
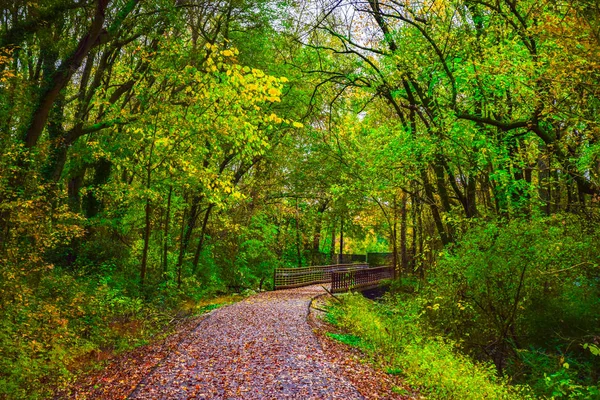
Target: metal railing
<point>342,281</point>
<point>287,278</point>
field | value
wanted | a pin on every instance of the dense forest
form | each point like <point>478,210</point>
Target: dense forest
<point>158,152</point>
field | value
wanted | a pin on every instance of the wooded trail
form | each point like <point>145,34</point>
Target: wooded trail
<point>260,348</point>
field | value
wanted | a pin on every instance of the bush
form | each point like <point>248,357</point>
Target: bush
<point>46,329</point>
<point>523,294</point>
<point>395,335</point>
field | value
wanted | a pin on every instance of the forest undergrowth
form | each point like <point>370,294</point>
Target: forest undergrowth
<point>69,325</point>
<point>511,311</point>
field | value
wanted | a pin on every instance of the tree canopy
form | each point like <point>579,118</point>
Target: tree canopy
<point>161,151</point>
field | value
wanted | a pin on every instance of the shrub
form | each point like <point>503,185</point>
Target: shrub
<point>523,294</point>
<point>395,335</point>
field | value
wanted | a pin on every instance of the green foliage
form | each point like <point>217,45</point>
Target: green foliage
<point>65,319</point>
<point>166,163</point>
<point>511,287</point>
<point>50,335</point>
<point>394,335</point>
<point>350,340</point>
<point>446,374</point>
<point>563,385</point>
<point>595,350</point>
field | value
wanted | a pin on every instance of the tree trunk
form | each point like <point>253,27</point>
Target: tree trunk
<point>471,195</point>
<point>316,259</point>
<point>420,265</point>
<point>165,258</point>
<point>190,224</point>
<point>73,190</point>
<point>201,239</point>
<point>543,175</point>
<point>298,243</point>
<point>441,186</point>
<point>146,243</point>
<point>395,236</point>
<point>181,236</point>
<point>437,219</point>
<point>556,192</point>
<point>148,208</point>
<point>341,257</point>
<point>102,170</point>
<point>413,245</point>
<point>332,246</point>
<point>403,247</point>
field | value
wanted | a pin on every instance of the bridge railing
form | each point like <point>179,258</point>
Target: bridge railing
<point>342,281</point>
<point>287,278</point>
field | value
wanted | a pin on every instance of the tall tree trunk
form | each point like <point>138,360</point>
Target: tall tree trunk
<point>74,189</point>
<point>403,247</point>
<point>165,257</point>
<point>413,245</point>
<point>332,246</point>
<point>441,186</point>
<point>581,197</point>
<point>280,245</point>
<point>298,242</point>
<point>395,236</point>
<point>556,192</point>
<point>519,196</point>
<point>570,201</point>
<point>148,209</point>
<point>190,225</point>
<point>543,175</point>
<point>420,265</point>
<point>471,196</point>
<point>181,236</point>
<point>102,170</point>
<point>341,257</point>
<point>468,199</point>
<point>201,239</point>
<point>486,189</point>
<point>147,230</point>
<point>56,117</point>
<point>316,259</point>
<point>437,219</point>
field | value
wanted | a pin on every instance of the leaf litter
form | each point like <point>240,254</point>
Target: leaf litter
<point>263,347</point>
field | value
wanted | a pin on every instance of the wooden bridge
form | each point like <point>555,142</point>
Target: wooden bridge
<point>343,277</point>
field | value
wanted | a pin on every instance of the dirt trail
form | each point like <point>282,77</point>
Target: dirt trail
<point>260,348</point>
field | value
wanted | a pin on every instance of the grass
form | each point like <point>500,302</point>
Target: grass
<point>350,340</point>
<point>205,305</point>
<point>396,342</point>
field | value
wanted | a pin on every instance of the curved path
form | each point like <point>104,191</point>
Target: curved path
<point>260,348</point>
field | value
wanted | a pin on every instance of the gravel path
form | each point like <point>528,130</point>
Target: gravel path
<point>260,348</point>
